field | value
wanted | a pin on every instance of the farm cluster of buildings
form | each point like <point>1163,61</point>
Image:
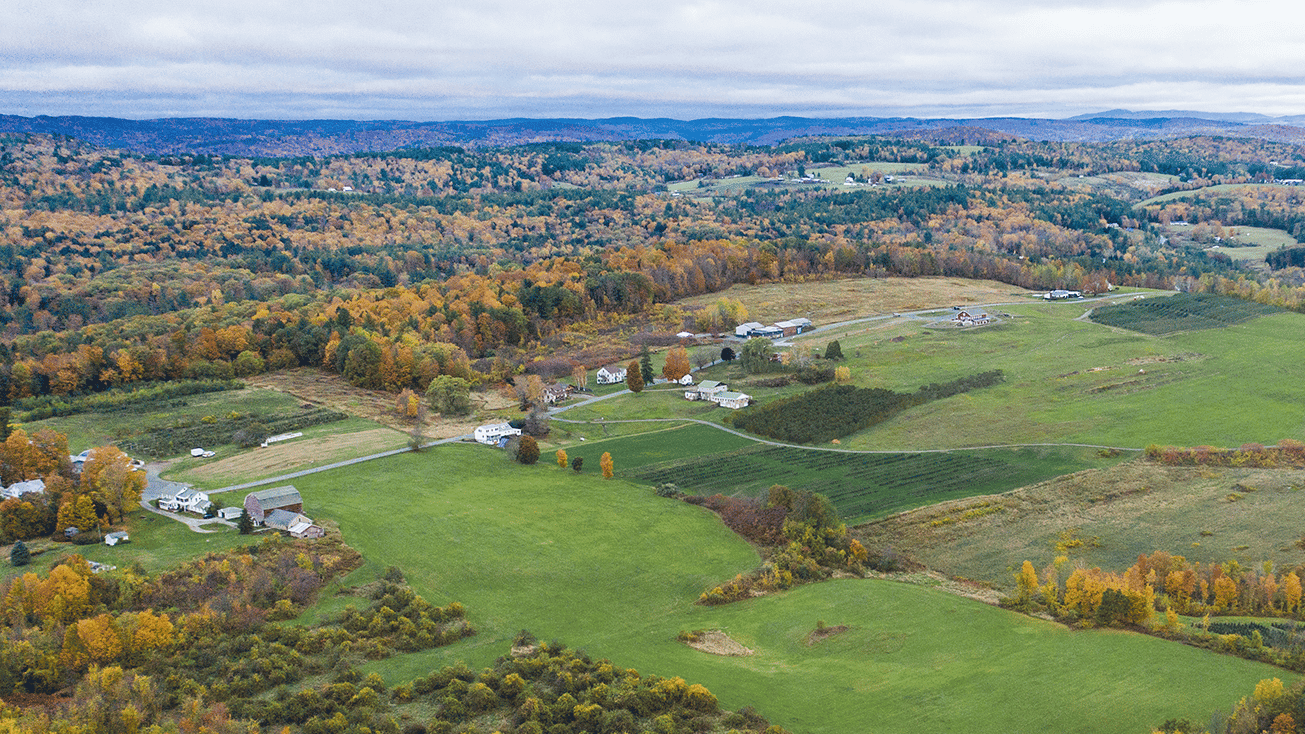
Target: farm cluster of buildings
<point>278,508</point>
<point>778,330</point>
<point>718,393</point>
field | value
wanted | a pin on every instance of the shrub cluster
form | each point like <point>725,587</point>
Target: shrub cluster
<point>1288,452</point>
<point>557,690</point>
<point>806,540</point>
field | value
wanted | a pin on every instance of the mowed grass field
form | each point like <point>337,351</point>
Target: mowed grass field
<point>607,566</point>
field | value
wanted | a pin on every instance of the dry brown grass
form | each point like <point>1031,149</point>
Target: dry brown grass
<point>839,300</point>
<point>299,453</point>
<point>324,388</point>
<point>716,642</point>
<point>1105,517</point>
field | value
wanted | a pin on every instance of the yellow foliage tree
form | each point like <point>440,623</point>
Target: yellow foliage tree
<point>842,375</point>
<point>561,459</point>
<point>1291,592</point>
<point>109,477</point>
<point>606,464</point>
<point>677,364</point>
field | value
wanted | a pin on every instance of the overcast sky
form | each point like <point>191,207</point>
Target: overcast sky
<point>459,59</point>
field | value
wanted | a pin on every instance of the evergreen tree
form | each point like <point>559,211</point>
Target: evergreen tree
<point>577,462</point>
<point>645,366</point>
<point>834,350</point>
<point>19,555</point>
<point>245,523</point>
<point>727,355</point>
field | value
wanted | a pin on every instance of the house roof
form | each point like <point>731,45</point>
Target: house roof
<point>300,526</point>
<point>280,519</point>
<point>119,535</point>
<point>278,496</point>
<point>732,396</point>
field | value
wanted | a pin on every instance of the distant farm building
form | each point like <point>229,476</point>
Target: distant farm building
<point>793,327</point>
<point>116,538</point>
<point>1061,295</point>
<point>277,498</point>
<point>971,318</point>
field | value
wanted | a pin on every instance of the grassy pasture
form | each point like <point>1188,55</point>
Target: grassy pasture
<point>1198,193</point>
<point>1069,380</point>
<point>607,566</point>
<point>1117,513</point>
<point>1180,312</point>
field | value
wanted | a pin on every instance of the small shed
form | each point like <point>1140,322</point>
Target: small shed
<point>260,503</point>
<point>116,538</point>
<point>231,513</point>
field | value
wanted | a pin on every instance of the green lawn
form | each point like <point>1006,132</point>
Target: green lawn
<point>608,567</point>
<point>157,543</point>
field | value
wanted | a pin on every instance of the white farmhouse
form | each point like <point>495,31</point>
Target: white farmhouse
<point>490,433</point>
<point>611,375</point>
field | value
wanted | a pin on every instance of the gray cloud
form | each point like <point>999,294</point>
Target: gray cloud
<point>448,60</point>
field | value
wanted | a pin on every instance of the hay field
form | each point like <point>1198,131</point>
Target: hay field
<point>851,298</point>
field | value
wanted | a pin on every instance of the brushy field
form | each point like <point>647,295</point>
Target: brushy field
<point>1105,518</point>
<point>611,568</point>
<point>87,430</point>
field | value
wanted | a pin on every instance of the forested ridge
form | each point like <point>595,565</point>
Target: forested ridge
<point>119,268</point>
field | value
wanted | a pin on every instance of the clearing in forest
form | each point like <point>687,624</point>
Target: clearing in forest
<point>840,300</point>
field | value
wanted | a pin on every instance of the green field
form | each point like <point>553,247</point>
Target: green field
<point>1068,380</point>
<point>611,568</point>
<point>867,486</point>
<point>1180,312</point>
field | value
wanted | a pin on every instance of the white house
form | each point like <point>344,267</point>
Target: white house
<point>611,375</point>
<point>686,380</point>
<point>116,537</point>
<point>18,489</point>
<point>490,433</point>
<point>733,400</point>
<point>972,318</point>
<point>187,500</point>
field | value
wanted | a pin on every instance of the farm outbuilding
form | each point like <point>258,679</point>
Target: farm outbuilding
<point>277,498</point>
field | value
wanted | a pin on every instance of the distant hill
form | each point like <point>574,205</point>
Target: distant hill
<point>325,137</point>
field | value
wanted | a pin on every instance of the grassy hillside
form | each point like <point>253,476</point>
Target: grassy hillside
<point>1207,514</point>
<point>607,566</point>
